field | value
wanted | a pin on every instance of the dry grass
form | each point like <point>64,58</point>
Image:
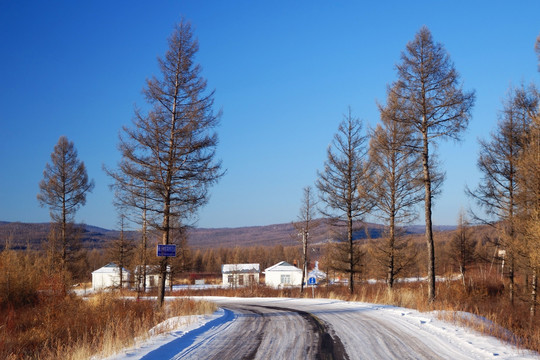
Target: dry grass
<point>59,327</point>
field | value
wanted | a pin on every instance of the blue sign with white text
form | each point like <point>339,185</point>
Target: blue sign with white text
<point>168,250</point>
<point>312,281</point>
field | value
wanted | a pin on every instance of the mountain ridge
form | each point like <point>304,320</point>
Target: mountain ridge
<point>21,235</point>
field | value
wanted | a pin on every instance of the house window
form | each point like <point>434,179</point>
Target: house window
<point>251,279</point>
<point>240,280</point>
<point>230,279</point>
<point>285,279</point>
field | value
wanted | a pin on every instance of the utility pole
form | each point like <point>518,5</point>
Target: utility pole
<point>305,236</point>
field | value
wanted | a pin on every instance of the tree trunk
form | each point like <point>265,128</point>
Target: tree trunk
<point>392,236</point>
<point>351,253</point>
<point>429,226</point>
<point>64,241</point>
<point>304,265</point>
<point>534,292</point>
<point>163,262</point>
<point>144,244</point>
<point>511,277</point>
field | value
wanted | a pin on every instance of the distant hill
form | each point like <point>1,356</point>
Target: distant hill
<point>32,235</point>
<point>24,235</point>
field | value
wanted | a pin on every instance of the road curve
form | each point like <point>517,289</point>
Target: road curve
<point>266,332</point>
<point>294,330</point>
<point>286,328</point>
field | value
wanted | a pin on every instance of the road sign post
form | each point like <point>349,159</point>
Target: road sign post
<point>312,280</point>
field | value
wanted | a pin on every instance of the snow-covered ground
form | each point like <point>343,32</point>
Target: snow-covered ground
<point>365,330</point>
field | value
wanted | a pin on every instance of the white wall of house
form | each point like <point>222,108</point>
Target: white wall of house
<point>108,277</point>
<point>240,274</point>
<point>152,276</point>
<point>283,274</point>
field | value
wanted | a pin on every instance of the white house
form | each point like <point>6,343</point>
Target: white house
<point>152,276</point>
<point>240,274</point>
<point>109,276</point>
<point>283,274</point>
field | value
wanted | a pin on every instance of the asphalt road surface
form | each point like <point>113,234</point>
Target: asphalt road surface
<point>320,330</point>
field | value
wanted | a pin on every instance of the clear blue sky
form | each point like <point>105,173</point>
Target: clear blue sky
<point>284,73</point>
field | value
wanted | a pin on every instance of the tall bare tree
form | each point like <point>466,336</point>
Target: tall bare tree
<point>63,189</point>
<point>342,184</point>
<point>306,221</point>
<point>120,250</point>
<point>171,149</point>
<point>461,247</point>
<point>396,174</point>
<point>528,192</point>
<point>497,161</point>
<point>435,105</point>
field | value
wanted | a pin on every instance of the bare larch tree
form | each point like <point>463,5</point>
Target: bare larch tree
<point>461,246</point>
<point>434,104</point>
<point>396,175</point>
<point>342,184</point>
<point>168,155</point>
<point>305,222</point>
<point>63,189</point>
<point>497,161</point>
<point>528,192</point>
<point>120,250</point>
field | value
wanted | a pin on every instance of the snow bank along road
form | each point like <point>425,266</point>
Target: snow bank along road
<point>282,328</point>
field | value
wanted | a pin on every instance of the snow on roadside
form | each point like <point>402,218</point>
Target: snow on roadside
<point>167,331</point>
<point>479,346</point>
<point>438,333</point>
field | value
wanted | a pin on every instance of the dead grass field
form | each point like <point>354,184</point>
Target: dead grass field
<point>70,327</point>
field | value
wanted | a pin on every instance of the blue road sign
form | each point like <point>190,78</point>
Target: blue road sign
<point>168,250</point>
<point>312,280</point>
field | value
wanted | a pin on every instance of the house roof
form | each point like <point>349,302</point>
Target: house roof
<point>239,268</point>
<point>110,268</point>
<point>282,266</point>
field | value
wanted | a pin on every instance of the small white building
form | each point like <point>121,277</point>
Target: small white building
<point>152,276</point>
<point>240,274</point>
<point>283,274</point>
<point>109,277</point>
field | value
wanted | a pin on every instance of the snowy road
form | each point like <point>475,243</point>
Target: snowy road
<point>282,328</point>
<point>263,332</point>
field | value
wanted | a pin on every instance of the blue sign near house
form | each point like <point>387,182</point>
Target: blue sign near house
<point>312,280</point>
<point>168,250</point>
